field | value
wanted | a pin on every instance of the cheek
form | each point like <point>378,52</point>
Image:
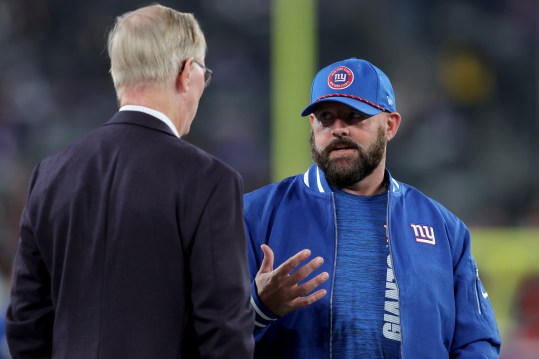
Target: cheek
<point>321,131</point>
<point>321,139</point>
<point>316,125</point>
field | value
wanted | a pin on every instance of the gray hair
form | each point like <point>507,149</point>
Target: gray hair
<point>149,45</point>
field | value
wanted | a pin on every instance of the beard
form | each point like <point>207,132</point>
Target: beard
<point>345,171</point>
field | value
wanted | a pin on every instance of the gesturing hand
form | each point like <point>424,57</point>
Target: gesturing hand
<point>280,291</point>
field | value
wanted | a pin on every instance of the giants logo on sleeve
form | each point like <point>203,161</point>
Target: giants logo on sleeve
<point>340,78</point>
<point>423,234</point>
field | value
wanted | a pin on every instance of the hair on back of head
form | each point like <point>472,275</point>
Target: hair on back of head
<point>147,46</point>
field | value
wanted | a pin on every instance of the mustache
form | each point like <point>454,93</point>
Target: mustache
<point>340,143</point>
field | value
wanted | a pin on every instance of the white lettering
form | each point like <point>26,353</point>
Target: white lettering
<point>424,234</point>
<point>429,233</point>
<point>391,319</point>
<point>392,307</point>
<point>390,264</point>
<point>392,331</point>
<point>418,230</point>
<point>391,291</point>
<point>390,277</point>
<point>340,78</point>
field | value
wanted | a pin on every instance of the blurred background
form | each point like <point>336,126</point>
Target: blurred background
<point>466,79</point>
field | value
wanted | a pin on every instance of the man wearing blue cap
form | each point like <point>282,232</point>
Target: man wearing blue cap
<point>392,275</point>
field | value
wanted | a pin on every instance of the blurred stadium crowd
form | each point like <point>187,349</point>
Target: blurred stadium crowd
<point>465,73</point>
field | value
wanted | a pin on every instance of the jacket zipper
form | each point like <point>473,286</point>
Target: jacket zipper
<point>332,280</point>
<point>388,234</point>
<point>335,269</point>
<point>477,291</point>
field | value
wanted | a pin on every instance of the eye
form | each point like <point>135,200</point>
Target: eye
<point>325,117</point>
<point>355,117</point>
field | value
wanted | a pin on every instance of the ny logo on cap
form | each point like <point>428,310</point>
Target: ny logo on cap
<point>340,78</point>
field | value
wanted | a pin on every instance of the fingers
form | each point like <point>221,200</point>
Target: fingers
<point>301,302</point>
<point>280,290</point>
<point>292,281</point>
<point>267,262</point>
<point>307,269</point>
<point>308,286</point>
<point>291,263</point>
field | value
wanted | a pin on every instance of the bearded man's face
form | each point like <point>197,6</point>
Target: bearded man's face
<point>346,162</point>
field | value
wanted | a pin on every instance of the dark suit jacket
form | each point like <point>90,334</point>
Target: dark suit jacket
<point>132,245</point>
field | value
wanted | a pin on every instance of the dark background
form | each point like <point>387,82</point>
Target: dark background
<point>465,74</point>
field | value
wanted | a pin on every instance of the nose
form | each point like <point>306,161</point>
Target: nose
<point>340,128</point>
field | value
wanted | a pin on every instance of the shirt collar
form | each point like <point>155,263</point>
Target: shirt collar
<point>159,115</point>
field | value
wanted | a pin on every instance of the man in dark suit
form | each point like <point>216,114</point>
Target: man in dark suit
<point>132,242</point>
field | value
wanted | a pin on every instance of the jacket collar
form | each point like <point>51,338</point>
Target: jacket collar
<point>154,113</point>
<point>140,119</point>
<point>315,179</point>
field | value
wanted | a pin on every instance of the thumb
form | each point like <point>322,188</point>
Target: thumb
<point>267,262</point>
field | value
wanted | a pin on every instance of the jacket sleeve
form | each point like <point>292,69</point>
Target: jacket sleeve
<point>30,314</point>
<point>222,314</point>
<point>263,316</point>
<point>476,333</point>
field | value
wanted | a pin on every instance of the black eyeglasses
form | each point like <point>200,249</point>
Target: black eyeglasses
<point>207,73</point>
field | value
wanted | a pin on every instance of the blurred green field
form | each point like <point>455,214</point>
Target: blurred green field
<point>504,257</point>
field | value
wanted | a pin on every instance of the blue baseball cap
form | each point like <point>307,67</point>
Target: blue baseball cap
<point>353,82</point>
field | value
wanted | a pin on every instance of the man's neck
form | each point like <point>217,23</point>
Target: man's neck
<point>151,97</point>
<point>374,184</point>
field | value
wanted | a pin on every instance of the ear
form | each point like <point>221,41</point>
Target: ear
<point>393,123</point>
<point>183,77</point>
<point>311,119</point>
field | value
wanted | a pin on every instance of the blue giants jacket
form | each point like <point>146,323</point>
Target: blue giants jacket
<point>444,309</point>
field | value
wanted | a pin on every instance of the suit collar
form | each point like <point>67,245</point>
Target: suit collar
<point>150,111</point>
<point>140,119</point>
